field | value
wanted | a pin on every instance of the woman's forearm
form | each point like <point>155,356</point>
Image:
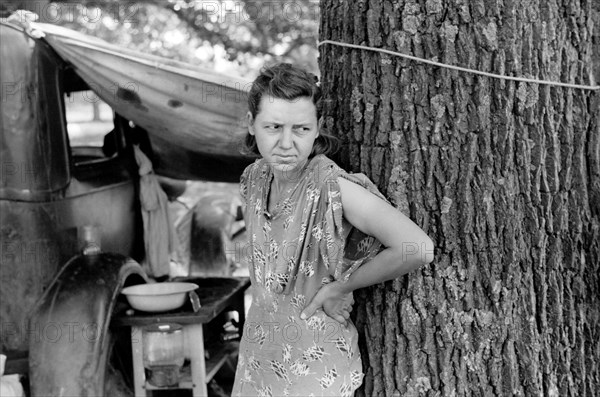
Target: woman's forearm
<point>389,264</point>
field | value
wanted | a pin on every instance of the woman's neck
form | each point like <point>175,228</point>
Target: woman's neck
<point>284,179</point>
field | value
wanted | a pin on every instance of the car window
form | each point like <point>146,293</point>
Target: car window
<point>90,125</point>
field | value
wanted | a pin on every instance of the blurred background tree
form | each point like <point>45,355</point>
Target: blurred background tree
<point>227,36</point>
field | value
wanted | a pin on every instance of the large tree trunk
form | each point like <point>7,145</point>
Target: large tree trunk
<point>504,176</point>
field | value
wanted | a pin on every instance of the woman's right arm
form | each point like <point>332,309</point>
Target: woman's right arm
<point>408,246</point>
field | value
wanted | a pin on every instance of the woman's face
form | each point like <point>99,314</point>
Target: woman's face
<point>285,131</point>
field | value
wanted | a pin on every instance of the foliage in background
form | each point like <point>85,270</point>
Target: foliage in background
<point>223,35</point>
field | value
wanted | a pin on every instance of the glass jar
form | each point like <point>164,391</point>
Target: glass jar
<point>163,353</point>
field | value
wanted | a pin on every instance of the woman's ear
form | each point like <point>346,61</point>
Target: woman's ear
<point>320,124</point>
<point>250,120</point>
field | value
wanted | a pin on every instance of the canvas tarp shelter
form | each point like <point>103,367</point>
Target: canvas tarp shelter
<point>194,117</point>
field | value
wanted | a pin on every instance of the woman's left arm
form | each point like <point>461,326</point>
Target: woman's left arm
<point>408,246</point>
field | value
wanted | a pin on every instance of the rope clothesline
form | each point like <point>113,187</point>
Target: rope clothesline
<point>459,68</point>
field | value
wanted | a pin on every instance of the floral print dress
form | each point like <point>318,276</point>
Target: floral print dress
<point>293,250</point>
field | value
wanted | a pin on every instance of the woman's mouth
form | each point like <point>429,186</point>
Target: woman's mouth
<point>285,157</point>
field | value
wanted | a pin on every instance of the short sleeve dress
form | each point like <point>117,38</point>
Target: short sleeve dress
<point>292,251</point>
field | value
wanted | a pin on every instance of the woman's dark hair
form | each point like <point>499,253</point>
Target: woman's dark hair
<point>285,81</point>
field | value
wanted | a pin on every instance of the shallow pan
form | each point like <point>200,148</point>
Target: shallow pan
<point>158,297</point>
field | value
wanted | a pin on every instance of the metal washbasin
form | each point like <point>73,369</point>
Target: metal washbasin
<point>215,295</point>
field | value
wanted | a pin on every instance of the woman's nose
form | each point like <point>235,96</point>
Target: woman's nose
<point>286,141</point>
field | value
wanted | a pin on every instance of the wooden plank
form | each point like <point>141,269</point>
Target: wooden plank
<point>214,364</point>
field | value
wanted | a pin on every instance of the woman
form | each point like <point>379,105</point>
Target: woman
<point>310,226</point>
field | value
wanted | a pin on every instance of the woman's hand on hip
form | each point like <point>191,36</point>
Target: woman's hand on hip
<point>334,301</point>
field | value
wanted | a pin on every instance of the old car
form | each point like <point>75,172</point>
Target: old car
<point>64,190</point>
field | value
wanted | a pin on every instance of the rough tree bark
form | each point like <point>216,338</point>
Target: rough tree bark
<point>504,176</point>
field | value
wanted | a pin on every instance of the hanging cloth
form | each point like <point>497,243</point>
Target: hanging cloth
<point>159,234</point>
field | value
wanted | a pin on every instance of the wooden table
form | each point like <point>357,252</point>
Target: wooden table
<point>216,295</point>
